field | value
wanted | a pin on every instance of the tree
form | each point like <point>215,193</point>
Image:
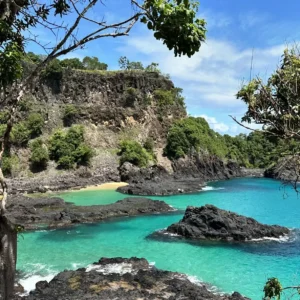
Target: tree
<point>153,67</point>
<point>93,63</point>
<point>73,63</point>
<point>125,64</point>
<point>276,106</point>
<point>173,22</point>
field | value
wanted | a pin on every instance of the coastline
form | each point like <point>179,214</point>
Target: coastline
<point>103,186</point>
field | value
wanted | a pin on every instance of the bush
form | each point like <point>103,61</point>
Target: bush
<point>39,155</point>
<point>4,115</point>
<point>20,134</point>
<point>35,124</point>
<point>9,163</point>
<point>133,152</point>
<point>68,148</point>
<point>166,98</point>
<point>70,114</point>
<point>53,70</point>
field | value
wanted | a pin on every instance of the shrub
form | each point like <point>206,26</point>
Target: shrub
<point>53,70</point>
<point>20,134</point>
<point>39,155</point>
<point>4,115</point>
<point>68,148</point>
<point>35,123</point>
<point>83,154</point>
<point>70,114</point>
<point>66,162</point>
<point>133,152</point>
<point>9,163</point>
<point>169,97</point>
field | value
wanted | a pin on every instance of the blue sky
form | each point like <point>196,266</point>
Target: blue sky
<point>211,78</point>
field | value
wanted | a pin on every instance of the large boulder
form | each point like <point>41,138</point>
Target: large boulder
<point>211,223</point>
<point>126,279</point>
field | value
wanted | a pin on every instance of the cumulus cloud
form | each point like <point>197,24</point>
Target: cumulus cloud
<point>215,125</point>
<point>215,74</point>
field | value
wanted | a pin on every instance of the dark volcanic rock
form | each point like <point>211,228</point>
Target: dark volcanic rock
<point>34,213</point>
<point>190,175</point>
<point>286,169</point>
<point>134,279</point>
<point>211,223</point>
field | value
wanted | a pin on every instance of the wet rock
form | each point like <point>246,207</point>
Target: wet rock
<point>32,213</point>
<point>211,223</point>
<point>126,279</point>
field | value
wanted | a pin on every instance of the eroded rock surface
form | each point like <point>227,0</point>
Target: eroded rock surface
<point>34,213</point>
<point>126,279</point>
<point>211,223</point>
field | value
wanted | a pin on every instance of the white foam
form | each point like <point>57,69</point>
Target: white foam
<point>121,268</point>
<point>29,281</point>
<point>281,239</point>
<point>211,188</point>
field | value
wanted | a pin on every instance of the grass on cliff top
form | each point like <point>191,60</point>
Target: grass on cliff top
<point>115,72</point>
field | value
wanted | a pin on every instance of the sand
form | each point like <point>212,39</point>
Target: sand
<point>104,186</point>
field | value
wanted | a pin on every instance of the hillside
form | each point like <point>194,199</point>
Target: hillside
<point>77,127</point>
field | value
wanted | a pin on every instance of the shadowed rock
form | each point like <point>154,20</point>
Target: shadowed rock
<point>211,223</point>
<point>34,213</point>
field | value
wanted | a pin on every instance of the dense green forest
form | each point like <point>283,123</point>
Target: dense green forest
<point>256,150</point>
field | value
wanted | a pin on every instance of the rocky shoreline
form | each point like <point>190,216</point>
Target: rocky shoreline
<point>211,223</point>
<point>126,279</point>
<point>37,213</point>
<point>189,177</point>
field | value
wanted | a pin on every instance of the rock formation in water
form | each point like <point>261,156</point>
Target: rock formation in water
<point>126,279</point>
<point>211,223</point>
<point>32,213</point>
<point>189,176</point>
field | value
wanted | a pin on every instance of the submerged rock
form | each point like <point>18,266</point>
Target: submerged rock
<point>211,223</point>
<point>34,213</point>
<point>126,279</point>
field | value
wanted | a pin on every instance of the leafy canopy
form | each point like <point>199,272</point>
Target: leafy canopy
<point>276,104</point>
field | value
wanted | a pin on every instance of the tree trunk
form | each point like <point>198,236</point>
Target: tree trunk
<point>8,258</point>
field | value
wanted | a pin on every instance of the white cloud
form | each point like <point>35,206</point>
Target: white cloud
<point>214,124</point>
<point>214,74</point>
<point>252,18</point>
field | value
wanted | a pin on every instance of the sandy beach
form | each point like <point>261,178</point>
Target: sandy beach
<point>104,186</point>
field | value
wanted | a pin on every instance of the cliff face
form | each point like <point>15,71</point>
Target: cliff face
<point>111,100</point>
<point>112,106</point>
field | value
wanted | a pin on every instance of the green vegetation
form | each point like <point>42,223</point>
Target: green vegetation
<point>70,114</point>
<point>133,152</point>
<point>39,155</point>
<point>169,97</point>
<point>257,150</point>
<point>193,135</point>
<point>22,132</point>
<point>68,149</point>
<point>35,124</point>
<point>93,63</point>
<point>9,164</point>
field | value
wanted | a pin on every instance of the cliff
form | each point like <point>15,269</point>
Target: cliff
<point>112,106</point>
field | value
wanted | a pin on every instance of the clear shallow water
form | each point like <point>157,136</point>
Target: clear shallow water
<point>244,268</point>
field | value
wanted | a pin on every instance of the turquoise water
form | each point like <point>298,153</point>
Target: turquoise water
<point>229,267</point>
